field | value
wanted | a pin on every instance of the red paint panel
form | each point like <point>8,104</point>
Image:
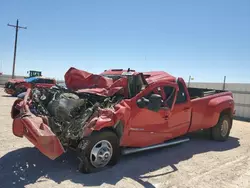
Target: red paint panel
<point>206,110</point>
<point>38,134</point>
<point>78,79</point>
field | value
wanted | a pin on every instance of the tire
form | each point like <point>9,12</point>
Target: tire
<point>97,140</point>
<point>16,93</point>
<point>221,131</point>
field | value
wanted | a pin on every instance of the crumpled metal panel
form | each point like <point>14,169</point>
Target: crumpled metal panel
<point>39,134</point>
<point>78,79</point>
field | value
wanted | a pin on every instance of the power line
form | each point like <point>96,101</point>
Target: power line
<point>15,46</point>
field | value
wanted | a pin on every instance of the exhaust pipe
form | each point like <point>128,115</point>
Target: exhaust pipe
<point>128,151</point>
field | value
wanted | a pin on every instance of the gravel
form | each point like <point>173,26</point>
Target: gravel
<point>198,163</point>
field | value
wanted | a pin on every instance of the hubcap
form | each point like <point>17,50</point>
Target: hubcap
<point>224,128</point>
<point>101,153</point>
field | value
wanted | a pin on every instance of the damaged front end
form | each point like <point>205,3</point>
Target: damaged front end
<point>57,118</point>
<point>10,86</point>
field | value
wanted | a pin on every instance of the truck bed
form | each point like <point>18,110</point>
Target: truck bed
<point>195,93</point>
<point>206,110</point>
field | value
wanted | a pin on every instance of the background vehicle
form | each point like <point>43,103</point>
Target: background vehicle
<point>33,73</point>
<point>18,87</point>
<point>119,114</point>
<point>10,86</point>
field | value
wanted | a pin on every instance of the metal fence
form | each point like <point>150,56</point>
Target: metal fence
<point>241,93</point>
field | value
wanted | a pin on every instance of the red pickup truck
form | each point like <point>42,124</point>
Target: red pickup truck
<point>16,86</point>
<point>118,112</point>
<point>10,86</point>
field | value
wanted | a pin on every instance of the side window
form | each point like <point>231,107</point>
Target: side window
<point>48,81</point>
<point>156,90</point>
<point>35,81</point>
<point>40,81</point>
<point>136,84</point>
<point>169,96</point>
<point>181,95</point>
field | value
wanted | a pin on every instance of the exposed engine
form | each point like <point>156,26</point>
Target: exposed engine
<point>68,111</point>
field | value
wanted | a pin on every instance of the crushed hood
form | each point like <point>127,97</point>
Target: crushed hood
<point>83,81</point>
<point>78,79</point>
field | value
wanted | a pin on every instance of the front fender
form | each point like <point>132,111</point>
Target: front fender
<point>100,121</point>
<point>117,118</point>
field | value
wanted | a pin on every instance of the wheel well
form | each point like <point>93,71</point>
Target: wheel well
<point>117,129</point>
<point>227,111</point>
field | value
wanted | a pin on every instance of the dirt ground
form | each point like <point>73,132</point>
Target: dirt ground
<point>199,163</point>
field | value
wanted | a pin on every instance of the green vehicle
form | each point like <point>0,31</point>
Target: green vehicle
<point>33,73</point>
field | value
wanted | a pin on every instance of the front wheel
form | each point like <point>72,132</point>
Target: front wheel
<point>221,131</point>
<point>18,91</point>
<point>97,151</point>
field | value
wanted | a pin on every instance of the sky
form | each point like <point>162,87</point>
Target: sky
<point>205,39</point>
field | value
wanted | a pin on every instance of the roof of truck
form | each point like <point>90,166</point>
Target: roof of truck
<point>31,79</point>
<point>151,76</point>
<point>119,72</point>
<point>154,76</point>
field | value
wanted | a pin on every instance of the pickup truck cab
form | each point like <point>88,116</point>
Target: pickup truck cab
<point>143,110</point>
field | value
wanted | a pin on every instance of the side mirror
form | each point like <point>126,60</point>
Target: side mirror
<point>155,102</point>
<point>142,103</point>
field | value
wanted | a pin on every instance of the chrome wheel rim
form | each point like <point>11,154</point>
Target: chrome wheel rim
<point>101,153</point>
<point>224,128</point>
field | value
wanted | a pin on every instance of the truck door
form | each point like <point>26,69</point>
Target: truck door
<point>148,127</point>
<point>180,117</point>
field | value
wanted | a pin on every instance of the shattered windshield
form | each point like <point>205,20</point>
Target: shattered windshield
<point>114,77</point>
<point>136,82</point>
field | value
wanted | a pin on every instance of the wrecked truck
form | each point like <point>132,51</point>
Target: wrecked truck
<point>16,86</point>
<point>10,86</point>
<point>118,112</point>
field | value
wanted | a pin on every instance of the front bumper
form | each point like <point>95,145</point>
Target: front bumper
<point>35,129</point>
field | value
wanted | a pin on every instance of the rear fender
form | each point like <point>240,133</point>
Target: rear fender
<point>217,106</point>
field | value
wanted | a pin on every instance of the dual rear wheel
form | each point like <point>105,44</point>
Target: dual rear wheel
<point>221,130</point>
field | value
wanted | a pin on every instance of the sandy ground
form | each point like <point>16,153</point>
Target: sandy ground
<point>198,163</point>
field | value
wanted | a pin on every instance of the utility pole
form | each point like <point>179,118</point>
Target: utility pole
<point>1,70</point>
<point>15,46</point>
<point>224,83</point>
<point>189,79</point>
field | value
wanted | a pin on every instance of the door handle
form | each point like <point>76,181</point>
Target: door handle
<point>166,117</point>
